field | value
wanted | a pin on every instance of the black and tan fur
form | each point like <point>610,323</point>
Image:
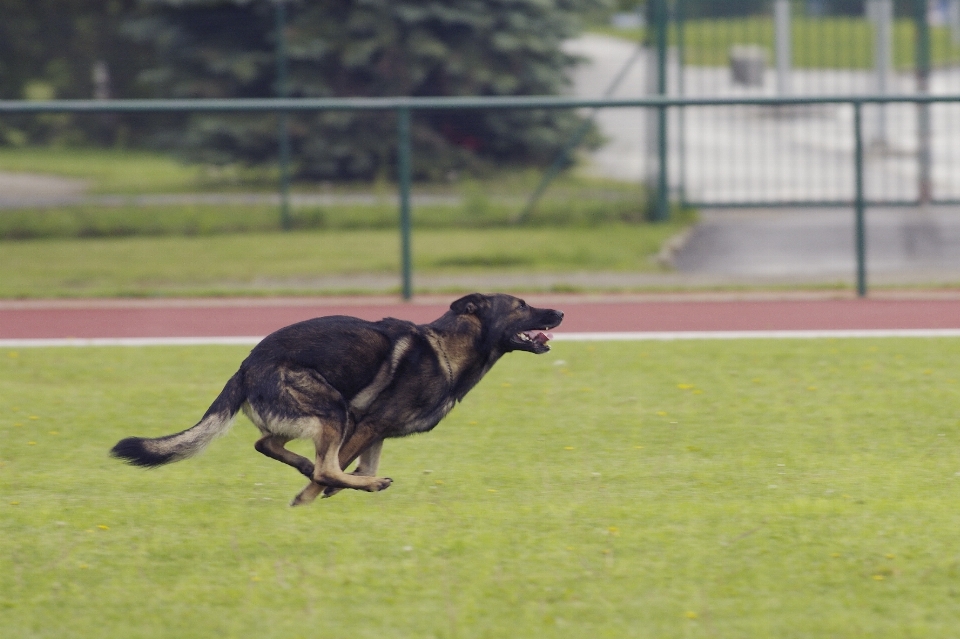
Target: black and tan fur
<point>348,384</point>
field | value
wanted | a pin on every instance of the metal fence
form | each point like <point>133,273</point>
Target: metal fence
<point>851,148</point>
<point>797,153</point>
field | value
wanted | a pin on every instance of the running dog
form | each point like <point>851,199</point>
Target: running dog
<point>348,384</point>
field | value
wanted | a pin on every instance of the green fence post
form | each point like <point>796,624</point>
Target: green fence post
<point>680,18</point>
<point>403,177</point>
<point>924,157</point>
<point>283,126</point>
<point>661,209</point>
<point>858,203</point>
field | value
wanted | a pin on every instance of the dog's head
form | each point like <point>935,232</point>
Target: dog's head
<point>509,322</point>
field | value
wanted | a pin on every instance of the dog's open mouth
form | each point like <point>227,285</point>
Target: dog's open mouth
<point>539,337</point>
<point>535,339</point>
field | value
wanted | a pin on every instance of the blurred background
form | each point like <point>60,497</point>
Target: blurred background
<point>609,199</point>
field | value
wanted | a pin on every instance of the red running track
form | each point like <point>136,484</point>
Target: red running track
<point>257,317</point>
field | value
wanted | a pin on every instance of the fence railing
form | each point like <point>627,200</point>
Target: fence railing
<point>404,106</point>
<point>801,48</point>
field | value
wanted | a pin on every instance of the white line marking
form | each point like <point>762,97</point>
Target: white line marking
<point>558,337</point>
<point>129,341</point>
<point>811,334</point>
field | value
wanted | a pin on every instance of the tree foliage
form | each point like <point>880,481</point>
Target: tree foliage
<point>49,49</point>
<point>338,48</point>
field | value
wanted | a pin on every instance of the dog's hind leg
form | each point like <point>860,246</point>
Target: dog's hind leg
<point>328,470</point>
<point>273,447</point>
<point>369,462</point>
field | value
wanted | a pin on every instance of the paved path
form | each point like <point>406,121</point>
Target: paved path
<point>904,245</point>
<point>736,154</point>
<point>257,317</point>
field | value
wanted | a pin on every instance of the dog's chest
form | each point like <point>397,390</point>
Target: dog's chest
<point>417,386</point>
<point>427,421</point>
<point>399,418</point>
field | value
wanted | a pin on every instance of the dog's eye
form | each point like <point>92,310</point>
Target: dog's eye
<point>523,304</point>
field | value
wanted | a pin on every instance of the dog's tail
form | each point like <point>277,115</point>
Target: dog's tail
<point>141,451</point>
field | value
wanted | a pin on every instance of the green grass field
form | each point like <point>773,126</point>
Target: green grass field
<point>95,220</point>
<point>806,488</point>
<point>488,201</point>
<point>108,170</point>
<point>264,263</point>
<point>582,224</point>
<point>133,172</point>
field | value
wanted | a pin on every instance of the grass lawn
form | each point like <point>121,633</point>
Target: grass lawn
<point>254,263</point>
<point>687,489</point>
<point>818,43</point>
<point>107,170</point>
<point>132,172</point>
<point>564,208</point>
<point>495,200</point>
<point>469,226</point>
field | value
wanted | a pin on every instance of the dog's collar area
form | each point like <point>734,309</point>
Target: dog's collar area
<point>443,357</point>
<point>446,361</point>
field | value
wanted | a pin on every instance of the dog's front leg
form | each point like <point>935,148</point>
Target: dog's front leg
<point>328,470</point>
<point>369,462</point>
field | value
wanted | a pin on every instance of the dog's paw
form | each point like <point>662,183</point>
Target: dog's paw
<point>381,483</point>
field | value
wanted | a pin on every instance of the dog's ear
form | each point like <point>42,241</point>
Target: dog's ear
<point>468,304</point>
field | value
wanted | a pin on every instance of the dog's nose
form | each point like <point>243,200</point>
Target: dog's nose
<point>559,314</point>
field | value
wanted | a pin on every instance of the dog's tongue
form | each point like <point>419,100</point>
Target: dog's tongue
<point>539,337</point>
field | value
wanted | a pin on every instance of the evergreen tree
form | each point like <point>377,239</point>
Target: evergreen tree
<point>51,49</point>
<point>352,48</point>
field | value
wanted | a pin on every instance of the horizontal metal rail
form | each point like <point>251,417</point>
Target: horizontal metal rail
<point>441,103</point>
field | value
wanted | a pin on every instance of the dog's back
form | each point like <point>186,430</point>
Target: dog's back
<point>346,351</point>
